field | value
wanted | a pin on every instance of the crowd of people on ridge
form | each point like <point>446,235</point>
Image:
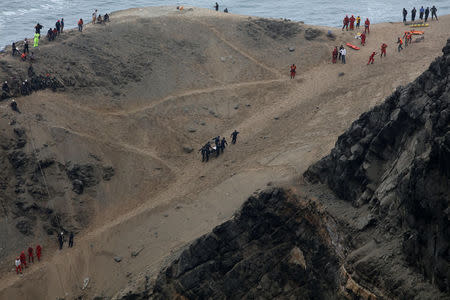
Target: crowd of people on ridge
<point>423,14</point>
<point>404,40</point>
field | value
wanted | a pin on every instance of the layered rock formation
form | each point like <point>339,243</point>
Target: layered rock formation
<point>396,159</point>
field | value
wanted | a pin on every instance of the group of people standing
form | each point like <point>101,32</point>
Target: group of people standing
<point>423,14</point>
<point>62,239</point>
<point>53,33</point>
<point>339,54</point>
<point>351,21</point>
<point>21,261</point>
<point>219,146</point>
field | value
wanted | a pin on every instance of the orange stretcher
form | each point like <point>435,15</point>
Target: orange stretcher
<point>352,46</point>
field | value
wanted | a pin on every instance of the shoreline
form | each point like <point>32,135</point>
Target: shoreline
<point>3,48</point>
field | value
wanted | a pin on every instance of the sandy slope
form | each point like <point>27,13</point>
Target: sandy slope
<point>226,79</point>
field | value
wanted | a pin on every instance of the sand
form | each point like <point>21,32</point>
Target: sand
<point>186,69</point>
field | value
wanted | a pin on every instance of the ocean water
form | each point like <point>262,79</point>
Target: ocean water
<point>17,18</point>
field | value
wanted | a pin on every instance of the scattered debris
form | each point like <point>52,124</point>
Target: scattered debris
<point>85,283</point>
<point>118,258</point>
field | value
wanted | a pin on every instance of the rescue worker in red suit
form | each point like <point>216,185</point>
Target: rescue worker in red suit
<point>371,58</point>
<point>383,50</point>
<point>352,22</point>
<point>18,265</point>
<point>346,20</point>
<point>23,259</point>
<point>30,255</point>
<point>363,39</point>
<point>367,26</point>
<point>293,71</point>
<point>38,252</point>
<point>334,55</point>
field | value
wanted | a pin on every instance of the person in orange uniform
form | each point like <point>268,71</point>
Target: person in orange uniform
<point>367,26</point>
<point>383,50</point>
<point>371,58</point>
<point>38,252</point>
<point>293,71</point>
<point>345,22</point>
<point>352,22</point>
<point>23,259</point>
<point>334,55</point>
<point>30,255</point>
<point>363,39</point>
<point>400,44</point>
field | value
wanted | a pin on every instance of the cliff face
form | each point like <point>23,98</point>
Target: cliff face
<point>396,160</point>
<point>269,249</point>
<point>278,246</point>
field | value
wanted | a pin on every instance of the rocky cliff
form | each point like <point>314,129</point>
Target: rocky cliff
<point>395,159</point>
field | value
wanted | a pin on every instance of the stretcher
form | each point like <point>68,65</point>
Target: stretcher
<point>352,46</point>
<point>420,25</point>
<point>416,32</point>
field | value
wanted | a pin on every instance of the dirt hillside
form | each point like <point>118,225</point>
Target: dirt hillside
<point>134,101</point>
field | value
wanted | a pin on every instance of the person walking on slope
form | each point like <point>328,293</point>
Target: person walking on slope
<point>217,143</point>
<point>371,58</point>
<point>234,135</point>
<point>334,55</point>
<point>413,14</point>
<point>400,44</point>
<point>293,71</point>
<point>405,37</point>
<point>62,25</point>
<point>433,13</point>
<point>367,26</point>
<point>358,22</point>
<point>23,259</point>
<point>223,144</point>
<point>421,12</point>
<point>405,13</point>
<point>427,13</point>
<point>18,266</point>
<point>80,25</point>
<point>71,240</point>
<point>30,255</point>
<point>216,6</point>
<point>345,23</point>
<point>61,240</point>
<point>383,50</point>
<point>363,39</point>
<point>38,252</point>
<point>14,49</point>
<point>352,22</point>
<point>343,54</point>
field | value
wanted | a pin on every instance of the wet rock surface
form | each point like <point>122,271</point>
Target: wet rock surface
<point>395,160</point>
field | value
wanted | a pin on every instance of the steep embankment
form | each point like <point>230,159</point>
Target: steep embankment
<point>395,160</point>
